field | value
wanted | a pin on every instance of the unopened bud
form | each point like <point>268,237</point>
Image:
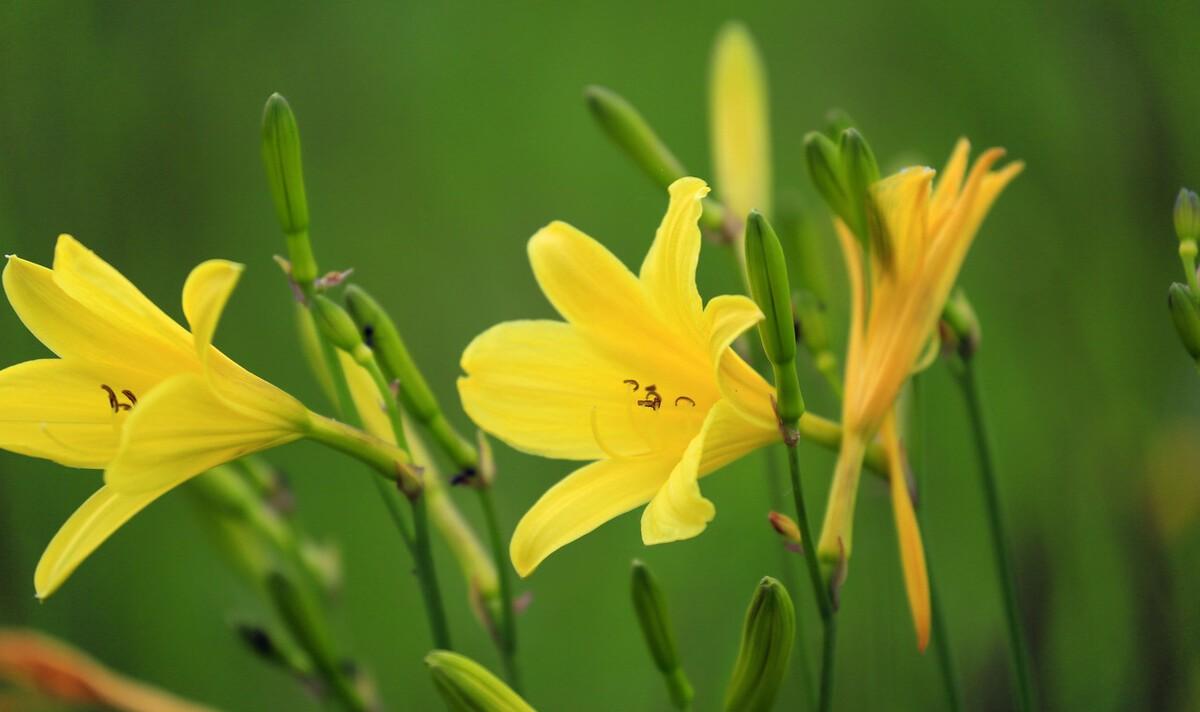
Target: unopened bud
<point>785,527</point>
<point>466,686</point>
<point>762,662</point>
<point>651,607</point>
<point>336,325</point>
<point>862,172</point>
<point>962,324</point>
<point>633,135</point>
<point>1187,216</point>
<point>825,168</point>
<point>1186,317</point>
<point>285,176</point>
<point>767,270</point>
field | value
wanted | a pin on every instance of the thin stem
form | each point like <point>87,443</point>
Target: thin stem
<point>1003,557</point>
<point>507,625</point>
<point>820,590</point>
<point>1187,255</point>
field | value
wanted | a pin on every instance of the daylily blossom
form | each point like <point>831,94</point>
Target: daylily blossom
<point>639,378</point>
<point>925,234</point>
<point>131,391</point>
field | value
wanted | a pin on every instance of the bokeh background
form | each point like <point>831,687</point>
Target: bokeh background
<point>438,137</point>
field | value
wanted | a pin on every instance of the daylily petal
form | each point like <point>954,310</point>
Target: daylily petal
<point>85,277</point>
<point>541,387</point>
<point>71,329</point>
<point>949,183</point>
<point>57,409</point>
<point>678,510</point>
<point>669,270</point>
<point>726,318</point>
<point>101,515</point>
<point>582,501</point>
<point>903,200</point>
<point>182,428</point>
<point>908,536</point>
<point>205,293</point>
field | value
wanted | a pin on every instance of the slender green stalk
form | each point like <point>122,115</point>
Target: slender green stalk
<point>1003,557</point>
<point>1187,256</point>
<point>507,624</point>
<point>820,590</point>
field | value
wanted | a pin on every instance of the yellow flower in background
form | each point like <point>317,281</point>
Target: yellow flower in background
<point>739,118</point>
<point>640,378</point>
<point>895,306</point>
<point>131,391</point>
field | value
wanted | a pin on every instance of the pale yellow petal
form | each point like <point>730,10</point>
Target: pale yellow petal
<point>205,293</point>
<point>669,270</point>
<point>949,183</point>
<point>366,399</point>
<point>585,499</point>
<point>678,511</point>
<point>903,200</point>
<point>542,388</point>
<point>908,536</point>
<point>182,428</point>
<point>740,123</point>
<point>114,299</point>
<point>71,328</point>
<point>93,523</point>
<point>59,410</point>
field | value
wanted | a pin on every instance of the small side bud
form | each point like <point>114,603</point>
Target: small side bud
<point>862,172</point>
<point>825,168</point>
<point>285,177</point>
<point>1187,216</point>
<point>762,662</point>
<point>651,607</point>
<point>767,270</point>
<point>337,326</point>
<point>633,135</point>
<point>785,527</point>
<point>466,686</point>
<point>962,324</point>
<point>1186,317</point>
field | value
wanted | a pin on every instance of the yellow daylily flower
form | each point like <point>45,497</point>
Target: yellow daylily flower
<point>640,378</point>
<point>131,391</point>
<point>740,122</point>
<point>926,232</point>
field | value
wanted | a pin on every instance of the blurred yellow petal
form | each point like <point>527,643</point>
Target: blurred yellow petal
<point>182,428</point>
<point>740,122</point>
<point>668,273</point>
<point>908,535</point>
<point>89,527</point>
<point>949,183</point>
<point>205,293</point>
<point>59,410</point>
<point>582,501</point>
<point>537,385</point>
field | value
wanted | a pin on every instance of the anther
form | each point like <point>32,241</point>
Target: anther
<point>631,382</point>
<point>685,398</point>
<point>112,397</point>
<point>653,400</point>
<point>132,398</point>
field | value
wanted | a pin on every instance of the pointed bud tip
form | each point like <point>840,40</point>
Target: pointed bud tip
<point>1187,215</point>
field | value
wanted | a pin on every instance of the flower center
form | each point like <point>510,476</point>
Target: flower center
<point>114,400</point>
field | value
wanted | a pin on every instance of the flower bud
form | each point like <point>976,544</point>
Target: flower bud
<point>285,176</point>
<point>336,325</point>
<point>1186,317</point>
<point>785,527</point>
<point>626,127</point>
<point>960,320</point>
<point>739,118</point>
<point>767,270</point>
<point>651,607</point>
<point>825,168</point>
<point>862,172</point>
<point>380,333</point>
<point>1187,216</point>
<point>466,686</point>
<point>762,661</point>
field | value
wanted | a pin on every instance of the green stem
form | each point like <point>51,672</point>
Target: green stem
<point>1003,557</point>
<point>507,625</point>
<point>1187,255</point>
<point>820,590</point>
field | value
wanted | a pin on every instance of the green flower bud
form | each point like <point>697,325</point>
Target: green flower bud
<point>380,333</point>
<point>285,176</point>
<point>1186,317</point>
<point>825,168</point>
<point>1187,216</point>
<point>651,607</point>
<point>626,127</point>
<point>862,172</point>
<point>337,326</point>
<point>466,686</point>
<point>762,661</point>
<point>767,270</point>
<point>960,319</point>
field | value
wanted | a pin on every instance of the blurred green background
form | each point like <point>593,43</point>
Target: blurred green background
<point>438,138</point>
